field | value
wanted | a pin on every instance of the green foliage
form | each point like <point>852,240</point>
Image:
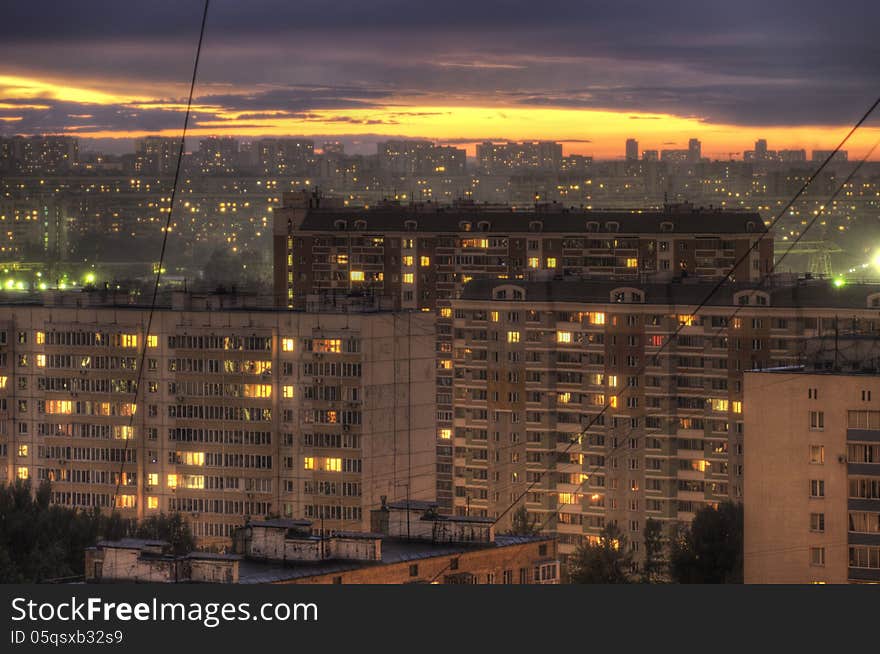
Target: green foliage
<point>606,562</point>
<point>523,524</point>
<point>711,550</point>
<point>40,541</point>
<point>652,567</point>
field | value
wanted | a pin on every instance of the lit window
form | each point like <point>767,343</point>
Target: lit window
<point>551,262</point>
<point>817,454</point>
<point>563,398</point>
<point>597,318</point>
<point>719,405</point>
<point>563,337</point>
<point>612,401</point>
<point>22,450</point>
<point>41,360</point>
<point>408,260</point>
<point>408,278</point>
<point>424,262</point>
<point>569,498</point>
<point>357,275</point>
<point>125,501</point>
<point>446,312</point>
<point>258,390</point>
<point>172,481</point>
<point>152,340</point>
<point>309,463</point>
<point>686,321</point>
<point>123,432</point>
<point>534,262</point>
<point>152,502</point>
<point>632,263</point>
<point>446,433</point>
<point>328,345</point>
<point>612,381</point>
<point>494,316</point>
<point>513,337</point>
<point>287,344</point>
<point>342,258</point>
<point>153,479</point>
<point>41,338</point>
<point>3,380</point>
<point>445,364</point>
<point>129,340</point>
<point>736,406</point>
<point>59,406</point>
<point>22,472</point>
<point>287,391</point>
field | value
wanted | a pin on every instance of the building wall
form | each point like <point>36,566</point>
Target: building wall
<point>530,376</point>
<point>783,541</point>
<point>235,425</point>
<point>486,565</point>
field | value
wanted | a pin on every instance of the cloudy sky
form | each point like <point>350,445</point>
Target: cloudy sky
<point>590,73</point>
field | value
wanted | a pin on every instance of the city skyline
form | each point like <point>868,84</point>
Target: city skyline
<point>727,76</point>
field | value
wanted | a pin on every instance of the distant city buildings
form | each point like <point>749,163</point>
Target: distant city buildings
<point>506,158</point>
<point>632,150</point>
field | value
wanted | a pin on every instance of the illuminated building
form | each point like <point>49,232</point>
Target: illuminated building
<point>419,259</point>
<point>671,441</point>
<point>242,410</point>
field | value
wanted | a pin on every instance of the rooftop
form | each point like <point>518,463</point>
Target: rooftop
<point>819,293</point>
<point>393,551</point>
<point>674,220</point>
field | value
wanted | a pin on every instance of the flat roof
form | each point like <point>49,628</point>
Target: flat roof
<point>691,291</point>
<point>393,551</point>
<point>553,220</point>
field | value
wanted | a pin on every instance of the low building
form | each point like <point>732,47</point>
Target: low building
<point>416,545</point>
<point>812,476</point>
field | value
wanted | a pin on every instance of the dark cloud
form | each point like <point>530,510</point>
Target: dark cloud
<point>751,62</point>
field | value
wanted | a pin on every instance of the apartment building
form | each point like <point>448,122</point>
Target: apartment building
<point>241,411</point>
<point>420,258</point>
<point>812,475</point>
<point>569,400</point>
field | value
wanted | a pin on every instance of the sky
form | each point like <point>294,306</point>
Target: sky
<point>588,73</point>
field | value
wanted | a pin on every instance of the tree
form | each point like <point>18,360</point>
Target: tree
<point>711,550</point>
<point>606,562</point>
<point>653,563</point>
<point>172,528</point>
<point>41,541</point>
<point>524,524</point>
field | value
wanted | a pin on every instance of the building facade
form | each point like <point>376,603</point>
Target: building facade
<point>602,401</point>
<point>812,476</point>
<point>419,259</point>
<point>239,412</point>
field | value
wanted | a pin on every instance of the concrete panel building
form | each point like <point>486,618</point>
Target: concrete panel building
<point>241,411</point>
<point>812,475</point>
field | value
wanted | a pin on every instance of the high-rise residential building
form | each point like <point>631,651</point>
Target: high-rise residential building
<point>840,156</point>
<point>650,155</point>
<point>285,156</point>
<point>420,260</point>
<point>812,474</point>
<point>241,411</point>
<point>156,155</point>
<point>600,401</point>
<point>695,151</point>
<point>632,150</point>
<point>420,158</point>
<point>507,158</point>
<point>39,155</point>
<point>218,155</point>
